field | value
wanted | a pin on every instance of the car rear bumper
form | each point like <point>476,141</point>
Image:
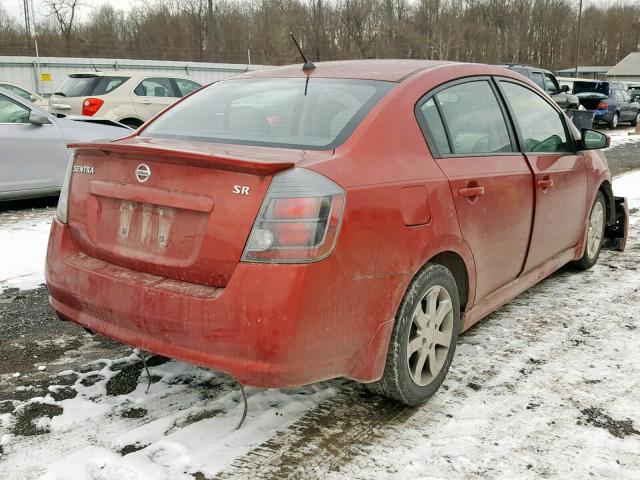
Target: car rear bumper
<point>267,327</point>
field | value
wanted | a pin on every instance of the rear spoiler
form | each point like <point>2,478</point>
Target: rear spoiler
<point>189,157</point>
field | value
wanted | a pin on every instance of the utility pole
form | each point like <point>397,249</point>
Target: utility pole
<point>578,38</point>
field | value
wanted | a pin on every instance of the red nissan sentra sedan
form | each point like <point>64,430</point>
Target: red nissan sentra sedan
<point>291,226</point>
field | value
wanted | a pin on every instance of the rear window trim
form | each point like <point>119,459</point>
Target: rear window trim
<point>341,138</point>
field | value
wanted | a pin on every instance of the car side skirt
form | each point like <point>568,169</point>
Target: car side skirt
<point>499,297</point>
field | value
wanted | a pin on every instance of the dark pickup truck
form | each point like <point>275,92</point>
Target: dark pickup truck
<point>549,83</point>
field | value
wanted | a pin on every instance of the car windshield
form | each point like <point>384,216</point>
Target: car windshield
<point>290,112</point>
<point>591,87</point>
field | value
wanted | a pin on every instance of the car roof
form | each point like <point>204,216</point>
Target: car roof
<point>387,70</point>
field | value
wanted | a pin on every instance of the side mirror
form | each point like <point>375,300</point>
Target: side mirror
<point>564,88</point>
<point>38,118</point>
<point>594,140</point>
<point>33,98</point>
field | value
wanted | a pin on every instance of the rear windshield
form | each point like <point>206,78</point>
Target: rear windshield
<point>291,113</point>
<point>82,86</point>
<point>591,87</point>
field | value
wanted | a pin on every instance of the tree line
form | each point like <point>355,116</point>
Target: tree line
<point>536,32</point>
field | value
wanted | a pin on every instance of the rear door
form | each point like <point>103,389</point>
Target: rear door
<point>627,112</point>
<point>152,95</point>
<point>560,172</point>
<point>491,183</point>
<point>33,157</point>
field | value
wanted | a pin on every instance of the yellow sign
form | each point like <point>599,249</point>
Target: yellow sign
<point>45,77</point>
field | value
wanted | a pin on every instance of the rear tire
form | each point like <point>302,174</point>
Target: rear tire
<point>424,338</point>
<point>614,121</point>
<point>635,120</point>
<point>595,234</point>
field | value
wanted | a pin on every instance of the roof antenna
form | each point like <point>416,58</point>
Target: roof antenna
<point>307,64</point>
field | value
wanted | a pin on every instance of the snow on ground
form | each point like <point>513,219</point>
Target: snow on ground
<point>547,387</point>
<point>23,238</point>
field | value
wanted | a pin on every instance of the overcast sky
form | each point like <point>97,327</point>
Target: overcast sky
<point>15,7</point>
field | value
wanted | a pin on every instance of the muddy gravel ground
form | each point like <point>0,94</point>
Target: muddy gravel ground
<point>547,387</point>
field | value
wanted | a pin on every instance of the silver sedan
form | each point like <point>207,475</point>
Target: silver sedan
<point>33,146</point>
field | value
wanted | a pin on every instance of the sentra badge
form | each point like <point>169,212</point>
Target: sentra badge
<point>88,169</point>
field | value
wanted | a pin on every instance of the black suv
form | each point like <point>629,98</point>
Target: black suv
<point>549,83</point>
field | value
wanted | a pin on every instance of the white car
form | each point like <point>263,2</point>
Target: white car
<point>25,94</point>
<point>128,98</point>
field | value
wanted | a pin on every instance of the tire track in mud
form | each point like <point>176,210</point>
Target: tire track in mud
<point>545,326</point>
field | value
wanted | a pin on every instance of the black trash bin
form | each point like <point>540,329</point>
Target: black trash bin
<point>583,118</point>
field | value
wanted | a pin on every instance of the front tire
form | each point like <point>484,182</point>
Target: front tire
<point>424,338</point>
<point>614,121</point>
<point>595,233</point>
<point>635,120</point>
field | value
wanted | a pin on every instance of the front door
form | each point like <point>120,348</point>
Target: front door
<point>560,173</point>
<point>491,183</point>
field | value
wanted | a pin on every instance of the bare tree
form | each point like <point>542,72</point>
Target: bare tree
<point>64,12</point>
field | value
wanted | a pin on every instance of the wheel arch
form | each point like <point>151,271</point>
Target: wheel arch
<point>454,262</point>
<point>607,190</point>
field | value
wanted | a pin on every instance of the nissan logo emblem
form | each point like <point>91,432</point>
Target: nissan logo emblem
<point>143,172</point>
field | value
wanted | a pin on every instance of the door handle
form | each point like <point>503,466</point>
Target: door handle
<point>471,191</point>
<point>146,102</point>
<point>545,183</point>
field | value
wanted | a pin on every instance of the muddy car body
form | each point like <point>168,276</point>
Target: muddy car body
<point>336,227</point>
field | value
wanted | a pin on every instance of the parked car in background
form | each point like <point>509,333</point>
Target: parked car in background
<point>634,91</point>
<point>25,94</point>
<point>34,154</point>
<point>548,82</point>
<point>610,100</point>
<point>288,227</point>
<point>129,98</point>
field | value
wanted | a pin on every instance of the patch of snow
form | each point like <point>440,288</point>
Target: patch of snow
<point>24,249</point>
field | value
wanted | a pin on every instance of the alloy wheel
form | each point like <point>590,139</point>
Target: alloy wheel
<point>596,225</point>
<point>430,335</point>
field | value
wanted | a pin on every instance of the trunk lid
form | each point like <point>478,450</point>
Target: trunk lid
<point>590,100</point>
<point>177,209</point>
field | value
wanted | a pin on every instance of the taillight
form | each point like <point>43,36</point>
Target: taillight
<point>602,106</point>
<point>91,105</point>
<point>62,211</point>
<point>299,220</point>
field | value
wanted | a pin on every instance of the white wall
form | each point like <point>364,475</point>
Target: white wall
<point>23,70</point>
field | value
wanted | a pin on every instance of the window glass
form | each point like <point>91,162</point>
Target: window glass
<point>474,119</point>
<point>17,91</point>
<point>538,79</point>
<point>295,113</point>
<point>551,85</point>
<point>625,96</point>
<point>108,84</point>
<point>540,124</point>
<point>186,86</point>
<point>77,86</point>
<point>434,124</point>
<point>155,87</point>
<point>12,112</point>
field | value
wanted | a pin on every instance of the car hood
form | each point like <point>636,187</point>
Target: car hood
<point>79,129</point>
